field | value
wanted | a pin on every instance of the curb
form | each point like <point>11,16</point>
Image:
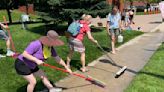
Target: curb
<point>157,28</point>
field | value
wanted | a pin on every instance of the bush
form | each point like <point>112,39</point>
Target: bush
<point>102,9</point>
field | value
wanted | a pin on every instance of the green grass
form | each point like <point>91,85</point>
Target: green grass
<point>15,15</point>
<point>140,13</point>
<point>11,82</point>
<point>151,77</point>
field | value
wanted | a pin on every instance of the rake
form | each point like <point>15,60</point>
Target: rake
<point>118,73</point>
<point>88,78</point>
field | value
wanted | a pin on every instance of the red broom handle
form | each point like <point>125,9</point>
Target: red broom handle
<point>8,30</point>
<point>63,70</point>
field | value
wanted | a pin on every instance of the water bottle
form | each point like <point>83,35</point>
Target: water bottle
<point>120,38</point>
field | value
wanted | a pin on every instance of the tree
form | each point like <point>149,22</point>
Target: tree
<point>8,5</point>
<point>65,9</point>
<point>150,1</point>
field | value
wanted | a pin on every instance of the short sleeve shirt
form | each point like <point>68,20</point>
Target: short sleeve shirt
<point>114,20</point>
<point>83,30</point>
<point>35,49</point>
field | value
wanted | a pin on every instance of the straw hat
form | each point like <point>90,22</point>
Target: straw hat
<point>52,39</point>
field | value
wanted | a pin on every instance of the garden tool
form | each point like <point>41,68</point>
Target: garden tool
<point>88,78</point>
<point>121,71</point>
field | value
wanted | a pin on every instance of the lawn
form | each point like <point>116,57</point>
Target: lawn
<point>11,82</point>
<point>140,13</point>
<point>151,77</point>
<point>16,15</point>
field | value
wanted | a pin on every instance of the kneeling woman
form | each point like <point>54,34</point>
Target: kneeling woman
<point>35,54</point>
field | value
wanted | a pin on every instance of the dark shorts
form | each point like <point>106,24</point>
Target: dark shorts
<point>22,69</point>
<point>123,18</point>
<point>131,17</point>
<point>114,32</point>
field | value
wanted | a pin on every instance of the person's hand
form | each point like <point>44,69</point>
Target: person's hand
<point>69,70</point>
<point>39,62</point>
<point>95,41</point>
<point>6,27</point>
<point>113,37</point>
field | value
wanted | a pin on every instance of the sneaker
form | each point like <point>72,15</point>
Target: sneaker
<point>10,53</point>
<point>1,56</point>
<point>56,90</point>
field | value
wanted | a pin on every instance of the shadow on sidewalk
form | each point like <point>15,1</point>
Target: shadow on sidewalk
<point>155,22</point>
<point>119,66</point>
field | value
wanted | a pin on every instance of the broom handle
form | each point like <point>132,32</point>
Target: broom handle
<point>105,53</point>
<point>10,37</point>
<point>63,70</point>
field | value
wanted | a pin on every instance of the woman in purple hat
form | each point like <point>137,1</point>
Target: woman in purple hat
<point>35,54</point>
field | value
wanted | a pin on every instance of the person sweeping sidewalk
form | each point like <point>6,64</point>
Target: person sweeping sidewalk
<point>76,42</point>
<point>113,25</point>
<point>4,36</point>
<point>35,54</point>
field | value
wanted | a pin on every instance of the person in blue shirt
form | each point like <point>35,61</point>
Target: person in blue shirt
<point>113,26</point>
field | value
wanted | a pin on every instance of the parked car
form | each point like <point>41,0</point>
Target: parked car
<point>140,8</point>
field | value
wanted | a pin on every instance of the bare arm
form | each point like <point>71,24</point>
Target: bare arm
<point>120,26</point>
<point>32,58</point>
<point>61,62</point>
<point>4,26</point>
<point>90,37</point>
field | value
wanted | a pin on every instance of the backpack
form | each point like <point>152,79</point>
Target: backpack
<point>74,28</point>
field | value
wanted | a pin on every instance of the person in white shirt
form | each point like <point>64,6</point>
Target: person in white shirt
<point>113,26</point>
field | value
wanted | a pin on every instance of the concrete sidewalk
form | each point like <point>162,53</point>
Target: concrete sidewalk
<point>146,22</point>
<point>134,54</point>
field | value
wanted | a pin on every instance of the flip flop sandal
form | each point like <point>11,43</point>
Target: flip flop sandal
<point>82,70</point>
<point>113,53</point>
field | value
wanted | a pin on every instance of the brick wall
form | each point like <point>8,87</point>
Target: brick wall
<point>30,8</point>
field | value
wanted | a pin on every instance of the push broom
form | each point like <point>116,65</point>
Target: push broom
<point>88,78</point>
<point>121,71</point>
<point>11,40</point>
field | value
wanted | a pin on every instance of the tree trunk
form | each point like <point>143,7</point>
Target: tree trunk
<point>5,2</point>
<point>26,7</point>
<point>9,15</point>
<point>121,5</point>
<point>116,3</point>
